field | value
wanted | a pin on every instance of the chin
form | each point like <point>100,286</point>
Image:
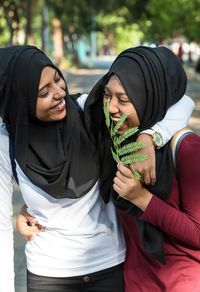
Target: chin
<point>121,132</point>
<point>62,115</point>
<point>59,117</point>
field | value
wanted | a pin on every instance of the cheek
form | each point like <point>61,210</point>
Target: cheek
<point>42,107</point>
<point>63,84</point>
<point>133,120</point>
<point>133,117</point>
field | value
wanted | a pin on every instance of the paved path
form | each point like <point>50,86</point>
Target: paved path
<point>82,81</point>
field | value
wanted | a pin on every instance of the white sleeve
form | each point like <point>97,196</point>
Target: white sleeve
<point>176,118</point>
<point>81,100</point>
<point>6,211</point>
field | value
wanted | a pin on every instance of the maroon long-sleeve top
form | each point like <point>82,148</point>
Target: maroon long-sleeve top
<point>179,219</point>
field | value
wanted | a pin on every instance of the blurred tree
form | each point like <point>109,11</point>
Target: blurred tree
<point>81,17</point>
<point>11,12</point>
<point>28,27</point>
<point>117,23</point>
<point>165,18</point>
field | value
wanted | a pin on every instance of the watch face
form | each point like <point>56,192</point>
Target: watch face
<point>157,138</point>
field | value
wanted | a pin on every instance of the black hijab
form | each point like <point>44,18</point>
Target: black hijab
<point>58,157</point>
<point>154,80</point>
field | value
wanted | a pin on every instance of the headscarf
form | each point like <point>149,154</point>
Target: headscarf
<point>153,79</point>
<point>59,157</point>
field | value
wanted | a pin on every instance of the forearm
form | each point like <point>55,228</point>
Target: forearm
<point>176,118</point>
<point>172,221</point>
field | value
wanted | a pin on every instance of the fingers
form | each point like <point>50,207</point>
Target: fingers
<point>148,174</point>
<point>146,179</point>
<point>147,168</point>
<point>152,176</point>
<point>125,171</point>
<point>28,227</point>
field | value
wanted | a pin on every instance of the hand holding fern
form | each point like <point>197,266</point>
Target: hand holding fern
<point>130,188</point>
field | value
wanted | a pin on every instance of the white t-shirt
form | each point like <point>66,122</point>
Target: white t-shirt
<point>82,235</point>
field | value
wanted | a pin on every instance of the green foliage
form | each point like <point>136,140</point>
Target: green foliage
<point>172,17</point>
<point>124,35</point>
<point>118,23</point>
<point>120,151</point>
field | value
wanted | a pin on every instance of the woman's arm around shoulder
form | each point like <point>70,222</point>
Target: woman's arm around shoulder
<point>176,118</point>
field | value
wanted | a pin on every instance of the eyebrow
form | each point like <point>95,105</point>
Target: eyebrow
<point>45,85</point>
<point>118,93</point>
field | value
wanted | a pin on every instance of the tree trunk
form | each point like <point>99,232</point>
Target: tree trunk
<point>57,40</point>
<point>28,28</point>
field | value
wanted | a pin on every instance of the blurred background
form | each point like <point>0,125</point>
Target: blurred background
<point>78,32</point>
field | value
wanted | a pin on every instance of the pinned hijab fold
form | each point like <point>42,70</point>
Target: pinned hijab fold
<point>153,79</point>
<point>59,157</point>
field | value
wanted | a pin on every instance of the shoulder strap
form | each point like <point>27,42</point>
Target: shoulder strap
<point>176,141</point>
<point>12,160</point>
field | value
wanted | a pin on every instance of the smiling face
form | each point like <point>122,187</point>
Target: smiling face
<point>120,104</point>
<point>50,102</point>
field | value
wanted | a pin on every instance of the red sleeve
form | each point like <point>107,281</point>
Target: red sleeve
<point>182,224</point>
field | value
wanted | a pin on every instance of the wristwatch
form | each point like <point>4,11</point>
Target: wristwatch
<point>157,138</point>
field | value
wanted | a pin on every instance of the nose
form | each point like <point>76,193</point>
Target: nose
<point>113,105</point>
<point>59,92</point>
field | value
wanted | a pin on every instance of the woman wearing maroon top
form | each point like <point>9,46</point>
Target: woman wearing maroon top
<point>161,221</point>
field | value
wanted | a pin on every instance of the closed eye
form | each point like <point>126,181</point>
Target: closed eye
<point>57,78</point>
<point>107,95</point>
<point>44,95</point>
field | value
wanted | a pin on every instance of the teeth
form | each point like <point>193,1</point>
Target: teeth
<point>60,105</point>
<point>115,120</point>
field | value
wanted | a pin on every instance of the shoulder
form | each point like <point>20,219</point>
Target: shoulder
<point>82,99</point>
<point>189,150</point>
<point>190,142</point>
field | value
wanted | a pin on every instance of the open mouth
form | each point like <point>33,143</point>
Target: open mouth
<point>115,120</point>
<point>60,106</point>
<point>123,126</point>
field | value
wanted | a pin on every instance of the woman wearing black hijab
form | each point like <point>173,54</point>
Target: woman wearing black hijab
<point>58,172</point>
<point>161,221</point>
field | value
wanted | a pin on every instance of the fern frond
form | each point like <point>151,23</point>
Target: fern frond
<point>133,158</point>
<point>126,135</point>
<point>118,124</point>
<point>137,175</point>
<point>115,156</point>
<point>106,113</point>
<point>125,153</point>
<point>130,147</point>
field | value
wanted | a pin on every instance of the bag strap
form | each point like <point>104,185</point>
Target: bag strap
<point>176,141</point>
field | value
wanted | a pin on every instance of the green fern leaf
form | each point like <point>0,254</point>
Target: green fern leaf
<point>119,123</point>
<point>106,113</point>
<point>127,134</point>
<point>115,156</point>
<point>130,147</point>
<point>125,153</point>
<point>137,175</point>
<point>133,158</point>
